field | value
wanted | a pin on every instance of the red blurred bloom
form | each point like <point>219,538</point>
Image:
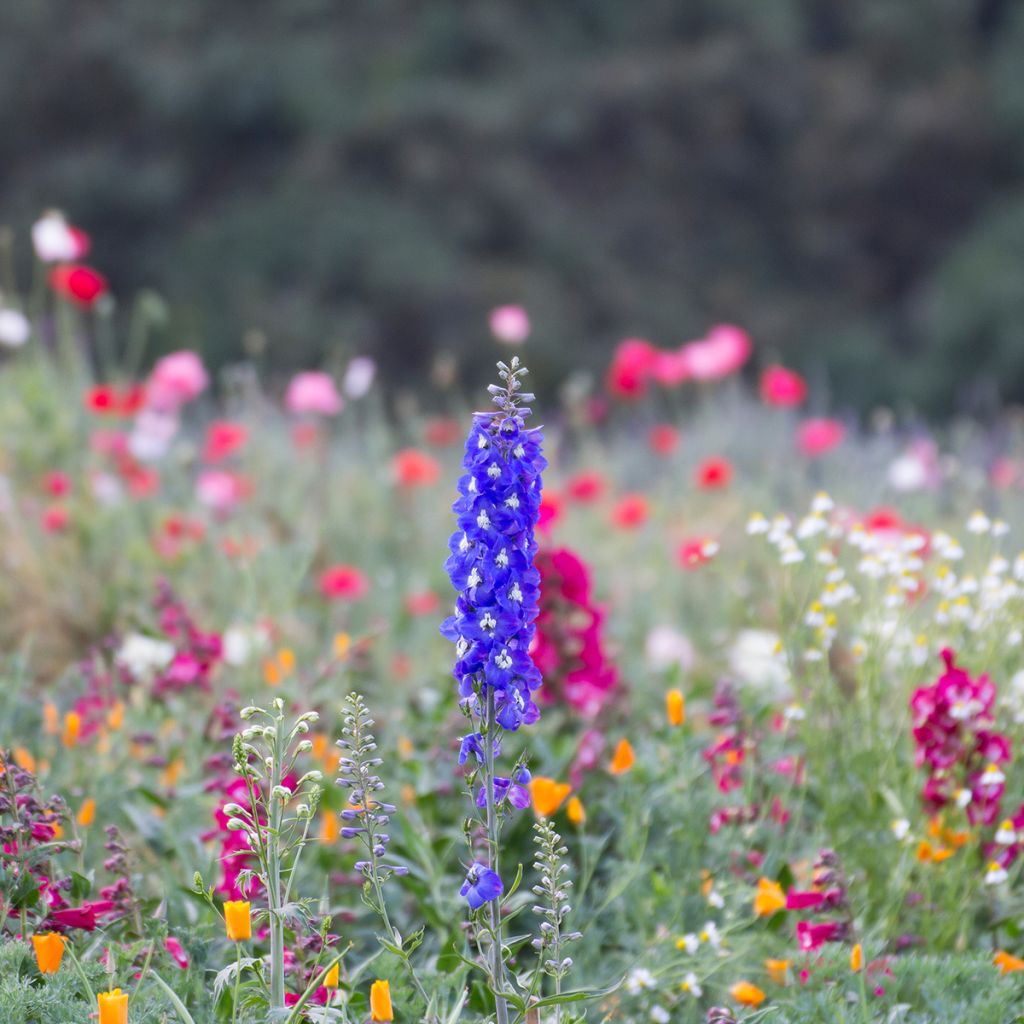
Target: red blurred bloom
<point>57,483</point>
<point>721,352</point>
<point>630,511</point>
<point>55,518</point>
<point>112,400</point>
<point>305,435</point>
<point>782,387</point>
<point>663,439</point>
<point>78,283</point>
<point>442,431</point>
<point>631,368</point>
<point>695,552</point>
<point>586,487</point>
<point>415,468</point>
<point>550,510</point>
<point>713,474</point>
<point>343,583</point>
<point>223,438</point>
<point>425,602</point>
<point>818,436</point>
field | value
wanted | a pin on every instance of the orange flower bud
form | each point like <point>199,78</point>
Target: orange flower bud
<point>574,809</point>
<point>380,1002</point>
<point>113,1007</point>
<point>856,959</point>
<point>331,978</point>
<point>72,727</point>
<point>49,951</point>
<point>87,812</point>
<point>238,920</point>
<point>769,899</point>
<point>778,970</point>
<point>675,707</point>
<point>623,758</point>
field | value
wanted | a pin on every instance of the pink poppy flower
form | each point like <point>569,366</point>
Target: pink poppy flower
<point>818,436</point>
<point>78,283</point>
<point>782,387</point>
<point>721,352</point>
<point>343,583</point>
<point>176,379</point>
<point>313,392</point>
<point>510,324</point>
<point>631,368</point>
<point>56,241</point>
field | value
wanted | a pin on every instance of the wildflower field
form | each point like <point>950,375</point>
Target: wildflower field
<point>673,698</point>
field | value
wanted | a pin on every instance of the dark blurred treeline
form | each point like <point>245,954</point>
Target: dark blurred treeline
<point>843,177</point>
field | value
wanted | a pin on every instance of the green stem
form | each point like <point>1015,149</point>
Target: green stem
<point>238,974</point>
<point>494,907</point>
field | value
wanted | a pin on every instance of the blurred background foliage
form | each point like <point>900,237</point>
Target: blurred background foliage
<point>845,178</point>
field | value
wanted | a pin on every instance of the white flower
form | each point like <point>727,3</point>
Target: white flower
<point>152,434</point>
<point>822,503</point>
<point>907,473</point>
<point>992,776</point>
<point>14,328</point>
<point>900,829</point>
<point>715,899</point>
<point>143,656</point>
<point>691,986</point>
<point>757,524</point>
<point>978,523</point>
<point>241,643</point>
<point>996,874</point>
<point>359,377</point>
<point>689,943</point>
<point>638,980</point>
<point>756,659</point>
<point>56,241</point>
<point>659,1015</point>
<point>711,935</point>
<point>1006,834</point>
<point>667,647</point>
<point>963,797</point>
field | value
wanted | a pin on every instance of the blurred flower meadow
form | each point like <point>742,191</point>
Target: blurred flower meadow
<point>679,698</point>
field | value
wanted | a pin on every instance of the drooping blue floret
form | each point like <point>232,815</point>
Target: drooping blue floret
<point>481,885</point>
<point>491,567</point>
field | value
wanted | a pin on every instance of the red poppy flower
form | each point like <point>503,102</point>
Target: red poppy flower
<point>819,436</point>
<point>586,487</point>
<point>782,387</point>
<point>550,510</point>
<point>663,439</point>
<point>631,368</point>
<point>343,583</point>
<point>695,552</point>
<point>442,431</point>
<point>713,474</point>
<point>56,483</point>
<point>55,518</point>
<point>78,283</point>
<point>414,468</point>
<point>630,511</point>
<point>223,438</point>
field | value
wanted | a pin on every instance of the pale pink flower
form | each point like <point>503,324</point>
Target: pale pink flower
<point>510,324</point>
<point>359,377</point>
<point>176,379</point>
<point>313,392</point>
<point>56,241</point>
<point>721,352</point>
<point>220,490</point>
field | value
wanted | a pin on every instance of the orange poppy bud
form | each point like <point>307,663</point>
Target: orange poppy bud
<point>238,920</point>
<point>574,809</point>
<point>747,994</point>
<point>856,959</point>
<point>623,759</point>
<point>49,951</point>
<point>24,759</point>
<point>115,716</point>
<point>331,978</point>
<point>87,812</point>
<point>50,718</point>
<point>778,970</point>
<point>72,727</point>
<point>675,707</point>
<point>769,898</point>
<point>113,1007</point>
<point>380,1002</point>
<point>547,795</point>
<point>329,827</point>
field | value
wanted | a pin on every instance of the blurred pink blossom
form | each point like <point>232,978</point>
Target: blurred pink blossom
<point>313,392</point>
<point>176,379</point>
<point>510,324</point>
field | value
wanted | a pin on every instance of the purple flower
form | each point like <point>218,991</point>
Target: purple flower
<point>481,885</point>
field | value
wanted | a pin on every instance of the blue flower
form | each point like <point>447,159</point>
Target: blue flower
<point>491,568</point>
<point>481,885</point>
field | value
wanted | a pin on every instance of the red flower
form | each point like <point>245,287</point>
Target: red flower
<point>424,603</point>
<point>56,483</point>
<point>343,583</point>
<point>78,283</point>
<point>442,431</point>
<point>631,368</point>
<point>550,510</point>
<point>818,436</point>
<point>713,474</point>
<point>223,438</point>
<point>663,439</point>
<point>695,552</point>
<point>782,387</point>
<point>111,400</point>
<point>586,487</point>
<point>630,511</point>
<point>84,917</point>
<point>55,518</point>
<point>414,468</point>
